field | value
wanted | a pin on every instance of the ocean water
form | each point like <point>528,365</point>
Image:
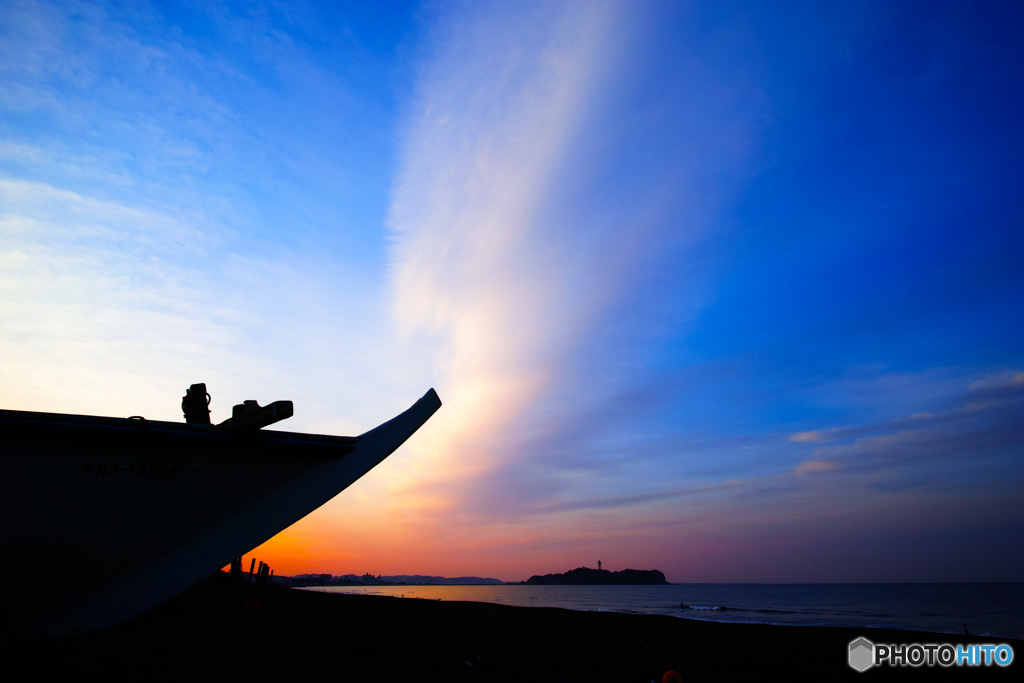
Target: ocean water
<point>986,609</point>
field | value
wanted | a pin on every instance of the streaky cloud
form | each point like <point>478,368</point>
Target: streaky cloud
<point>528,253</point>
<point>474,259</point>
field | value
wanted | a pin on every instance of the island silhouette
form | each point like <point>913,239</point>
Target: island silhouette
<point>585,576</point>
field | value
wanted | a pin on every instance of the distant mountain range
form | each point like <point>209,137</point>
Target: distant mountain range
<point>370,580</point>
<point>442,581</point>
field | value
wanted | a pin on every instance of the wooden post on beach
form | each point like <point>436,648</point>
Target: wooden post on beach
<point>264,574</point>
<point>252,565</point>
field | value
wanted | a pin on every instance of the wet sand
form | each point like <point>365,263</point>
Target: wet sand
<point>211,634</point>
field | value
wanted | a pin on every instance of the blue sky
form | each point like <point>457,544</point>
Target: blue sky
<point>731,290</point>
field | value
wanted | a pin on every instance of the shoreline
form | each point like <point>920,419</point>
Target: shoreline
<point>211,634</point>
<point>874,611</point>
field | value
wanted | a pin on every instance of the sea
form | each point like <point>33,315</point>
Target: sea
<point>985,609</point>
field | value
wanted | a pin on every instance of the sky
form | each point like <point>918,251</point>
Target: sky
<point>731,290</point>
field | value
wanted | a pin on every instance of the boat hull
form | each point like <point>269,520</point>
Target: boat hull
<point>109,517</point>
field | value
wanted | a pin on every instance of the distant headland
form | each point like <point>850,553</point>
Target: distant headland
<point>584,576</point>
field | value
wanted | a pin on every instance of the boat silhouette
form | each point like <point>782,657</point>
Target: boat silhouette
<point>108,517</point>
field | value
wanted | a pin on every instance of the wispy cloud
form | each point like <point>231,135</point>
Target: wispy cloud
<point>815,436</point>
<point>170,212</point>
<point>815,466</point>
<point>541,256</point>
<point>977,436</point>
<point>476,259</point>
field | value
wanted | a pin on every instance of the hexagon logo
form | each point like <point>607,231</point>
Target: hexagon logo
<point>862,654</point>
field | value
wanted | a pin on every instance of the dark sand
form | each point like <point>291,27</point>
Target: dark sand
<point>210,634</point>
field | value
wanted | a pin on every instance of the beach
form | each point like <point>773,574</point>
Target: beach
<point>214,632</point>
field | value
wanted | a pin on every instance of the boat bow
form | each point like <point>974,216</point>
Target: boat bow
<point>118,515</point>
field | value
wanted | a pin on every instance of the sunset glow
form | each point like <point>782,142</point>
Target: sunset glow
<point>728,290</point>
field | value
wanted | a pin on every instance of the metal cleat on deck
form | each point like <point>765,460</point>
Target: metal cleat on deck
<point>250,415</point>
